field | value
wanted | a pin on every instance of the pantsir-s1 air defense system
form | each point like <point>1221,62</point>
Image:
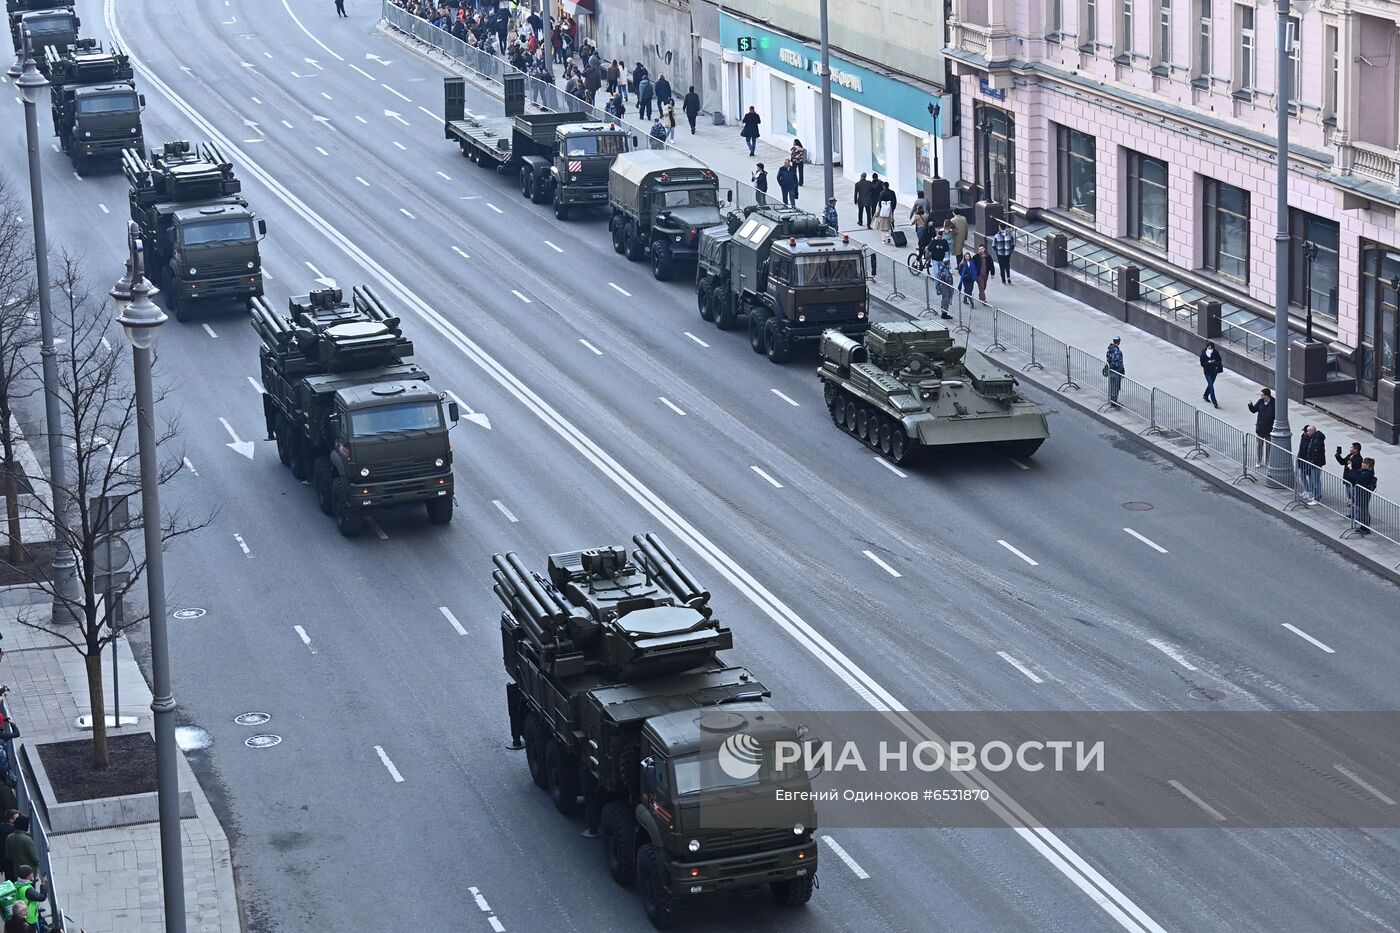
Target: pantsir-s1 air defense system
<point>620,698</point>
<point>910,387</point>
<point>348,412</point>
<point>96,110</point>
<point>200,238</point>
<point>49,23</point>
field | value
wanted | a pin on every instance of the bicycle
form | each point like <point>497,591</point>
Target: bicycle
<point>919,262</point>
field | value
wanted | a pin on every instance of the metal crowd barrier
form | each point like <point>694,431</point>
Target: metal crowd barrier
<point>14,773</point>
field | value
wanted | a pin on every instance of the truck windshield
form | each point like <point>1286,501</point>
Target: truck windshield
<point>395,419</point>
<point>702,772</point>
<point>830,269</point>
<point>117,103</point>
<point>689,197</point>
<point>606,145</point>
<point>217,231</point>
<point>49,26</point>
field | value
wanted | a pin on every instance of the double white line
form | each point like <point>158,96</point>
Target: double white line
<point>1046,843</point>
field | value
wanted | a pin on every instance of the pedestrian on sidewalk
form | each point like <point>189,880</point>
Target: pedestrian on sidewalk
<point>829,217</point>
<point>670,121</point>
<point>984,270</point>
<point>920,204</point>
<point>798,155</point>
<point>663,92</point>
<point>19,847</point>
<point>1263,409</point>
<point>760,183</point>
<point>691,106</point>
<point>967,277</point>
<point>1351,465</point>
<point>944,277</point>
<point>863,201</point>
<point>16,921</point>
<point>937,246</point>
<point>1211,366</point>
<point>750,130</point>
<point>7,826</point>
<point>787,183</point>
<point>614,76</point>
<point>616,107</point>
<point>955,228</point>
<point>644,97</point>
<point>31,893</point>
<point>1364,482</point>
<point>340,9</point>
<point>1114,369</point>
<point>1312,457</point>
<point>657,133</point>
<point>885,211</point>
<point>1004,245</point>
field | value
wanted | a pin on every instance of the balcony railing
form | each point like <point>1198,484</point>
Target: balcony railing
<point>1376,163</point>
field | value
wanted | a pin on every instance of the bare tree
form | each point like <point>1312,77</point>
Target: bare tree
<point>98,412</point>
<point>19,339</point>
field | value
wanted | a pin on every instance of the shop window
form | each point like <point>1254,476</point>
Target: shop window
<point>1076,165</point>
<point>1225,228</point>
<point>877,147</point>
<point>1321,237</point>
<point>1147,199</point>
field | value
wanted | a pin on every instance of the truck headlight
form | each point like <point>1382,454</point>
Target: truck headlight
<point>799,829</point>
<point>250,265</point>
<point>438,462</point>
<point>364,471</point>
<point>801,318</point>
<point>87,134</point>
<point>133,131</point>
<point>694,845</point>
<point>677,237</point>
<point>194,271</point>
<point>860,315</point>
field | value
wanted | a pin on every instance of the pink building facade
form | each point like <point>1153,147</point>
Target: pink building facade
<point>1149,125</point>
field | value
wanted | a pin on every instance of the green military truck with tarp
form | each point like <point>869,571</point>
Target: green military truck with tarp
<point>660,201</point>
<point>789,274</point>
<point>620,699</point>
<point>49,24</point>
<point>199,237</point>
<point>96,110</point>
<point>559,158</point>
<point>348,412</point>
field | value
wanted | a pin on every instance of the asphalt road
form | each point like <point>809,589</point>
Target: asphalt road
<point>967,583</point>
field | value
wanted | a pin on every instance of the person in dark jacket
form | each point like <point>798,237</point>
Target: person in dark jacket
<point>7,826</point>
<point>760,182</point>
<point>644,97</point>
<point>937,245</point>
<point>1363,484</point>
<point>1351,464</point>
<point>691,106</point>
<point>1211,366</point>
<point>1263,409</point>
<point>663,92</point>
<point>787,183</point>
<point>1312,457</point>
<point>614,75</point>
<point>19,847</point>
<point>967,277</point>
<point>1114,369</point>
<point>863,202</point>
<point>750,131</point>
<point>985,266</point>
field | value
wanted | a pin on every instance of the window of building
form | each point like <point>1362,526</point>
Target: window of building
<point>1319,283</point>
<point>1332,79</point>
<point>994,154</point>
<point>1295,62</point>
<point>1162,37</point>
<point>1147,199</point>
<point>1124,44</point>
<point>1088,24</point>
<point>1055,19</point>
<point>877,146</point>
<point>1244,54</point>
<point>1075,178</point>
<point>1204,65</point>
<point>785,102</point>
<point>1225,226</point>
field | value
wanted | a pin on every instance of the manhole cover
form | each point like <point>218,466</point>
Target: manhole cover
<point>262,741</point>
<point>252,719</point>
<point>193,613</point>
<point>1138,506</point>
<point>1207,693</point>
<point>192,738</point>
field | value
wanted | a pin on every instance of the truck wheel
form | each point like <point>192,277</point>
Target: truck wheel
<point>525,181</point>
<point>620,843</point>
<point>616,227</point>
<point>282,432</point>
<point>80,164</point>
<point>534,751</point>
<point>561,210</point>
<point>173,300</point>
<point>663,264</point>
<point>704,299</point>
<point>347,520</point>
<point>636,246</point>
<point>725,319</point>
<point>440,510</point>
<point>756,321</point>
<point>563,778</point>
<point>779,350</point>
<point>794,893</point>
<point>663,907</point>
<point>321,478</point>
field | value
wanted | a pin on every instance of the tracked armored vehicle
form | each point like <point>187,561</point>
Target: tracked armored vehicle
<point>620,698</point>
<point>909,387</point>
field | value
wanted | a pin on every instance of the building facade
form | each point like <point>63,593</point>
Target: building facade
<point>1151,123</point>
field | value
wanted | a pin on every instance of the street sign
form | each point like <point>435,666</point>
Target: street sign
<point>746,43</point>
<point>751,43</point>
<point>113,554</point>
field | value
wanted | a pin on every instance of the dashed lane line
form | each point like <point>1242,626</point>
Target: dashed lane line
<point>190,466</point>
<point>209,330</point>
<point>379,532</point>
<point>881,564</point>
<point>257,386</point>
<point>619,289</point>
<point>1147,541</point>
<point>596,351</point>
<point>305,638</point>
<point>1388,801</point>
<point>501,506</point>
<point>553,247</point>
<point>697,339</point>
<point>458,251</point>
<point>288,125</point>
<point>771,481</point>
<point>103,208</point>
<point>1019,553</point>
<point>362,181</point>
<point>781,395</point>
<point>444,176</point>
<point>480,900</point>
<point>1171,651</point>
<point>891,467</point>
<point>1024,466</point>
<point>452,620</point>
<point>520,296</point>
<point>322,151</point>
<point>431,115</point>
<point>1020,667</point>
<point>669,404</point>
<point>361,119</point>
<point>401,97</point>
<point>1186,792</point>
<point>845,856</point>
<point>243,545</point>
<point>388,763</point>
<point>402,147</point>
<point>1306,637</point>
<point>404,211</point>
<point>361,70</point>
<point>494,208</point>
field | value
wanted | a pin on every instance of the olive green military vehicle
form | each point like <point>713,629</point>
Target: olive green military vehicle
<point>909,387</point>
<point>785,271</point>
<point>49,23</point>
<point>96,110</point>
<point>620,698</point>
<point>661,200</point>
<point>347,411</point>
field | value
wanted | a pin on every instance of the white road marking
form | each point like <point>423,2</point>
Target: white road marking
<point>1062,856</point>
<point>496,925</point>
<point>232,20</point>
<point>696,339</point>
<point>305,638</point>
<point>458,251</point>
<point>844,856</point>
<point>891,467</point>
<point>361,119</point>
<point>394,115</point>
<point>286,6</point>
<point>252,140</point>
<point>480,901</point>
<point>1019,463</point>
<point>431,115</point>
<point>288,125</point>
<point>257,386</point>
<point>190,466</point>
<point>407,214</point>
<point>106,343</point>
<point>470,197</point>
<point>774,483</point>
<point>267,275</point>
<point>1210,811</point>
<point>879,563</point>
<point>618,288</point>
<point>520,296</point>
<point>209,330</point>
<point>327,96</point>
<point>393,772</point>
<point>452,620</point>
<point>314,271</point>
<point>510,516</point>
<point>361,71</point>
<point>243,546</point>
<point>1306,637</point>
<point>256,101</point>
<point>590,346</point>
<point>1147,541</point>
<point>322,151</point>
<point>782,396</point>
<point>401,146</point>
<point>672,405</point>
<point>553,247</point>
<point>494,208</point>
<point>1171,651</point>
<point>401,97</point>
<point>103,208</point>
<point>444,176</point>
<point>1018,553</point>
<point>1020,667</point>
<point>267,55</point>
<point>362,181</point>
<point>77,176</point>
<point>374,526</point>
<point>1388,801</point>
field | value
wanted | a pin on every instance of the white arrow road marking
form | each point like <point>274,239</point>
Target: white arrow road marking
<point>845,857</point>
<point>880,563</point>
<point>240,446</point>
<point>324,121</point>
<point>510,516</point>
<point>452,620</point>
<point>254,127</point>
<point>393,772</point>
<point>471,414</point>
<point>313,63</point>
<point>1020,667</point>
<point>370,56</point>
<point>394,116</point>
<point>590,346</point>
<point>400,96</point>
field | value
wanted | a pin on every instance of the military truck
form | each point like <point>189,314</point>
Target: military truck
<point>560,158</point>
<point>199,237</point>
<point>50,24</point>
<point>785,271</point>
<point>348,412</point>
<point>619,697</point>
<point>96,110</point>
<point>661,200</point>
<point>909,387</point>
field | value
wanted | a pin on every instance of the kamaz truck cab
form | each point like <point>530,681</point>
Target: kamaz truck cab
<point>47,26</point>
<point>574,172</point>
<point>96,110</point>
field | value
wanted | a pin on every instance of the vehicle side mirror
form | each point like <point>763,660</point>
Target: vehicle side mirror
<point>729,195</point>
<point>262,228</point>
<point>636,140</point>
<point>453,412</point>
<point>335,426</point>
<point>141,99</point>
<point>649,776</point>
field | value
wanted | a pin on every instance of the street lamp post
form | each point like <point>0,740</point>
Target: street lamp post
<point>933,111</point>
<point>828,170</point>
<point>141,319</point>
<point>1309,256</point>
<point>30,83</point>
